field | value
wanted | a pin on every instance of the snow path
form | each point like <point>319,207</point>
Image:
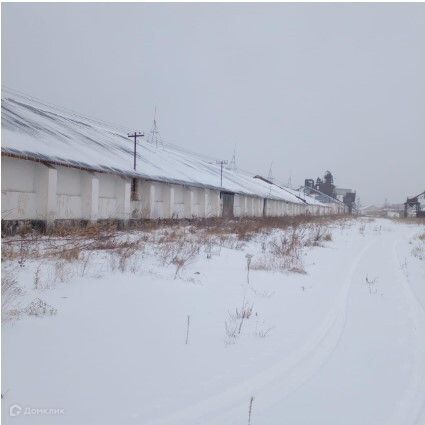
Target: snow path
<point>377,373</point>
<point>378,262</point>
<point>279,380</point>
<point>411,408</point>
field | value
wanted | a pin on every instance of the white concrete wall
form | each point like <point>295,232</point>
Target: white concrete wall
<point>198,202</point>
<point>276,208</point>
<point>145,208</point>
<point>18,189</point>
<point>28,190</point>
<point>237,205</point>
<point>259,207</point>
<point>77,195</point>
<point>35,191</point>
<point>158,205</point>
<point>68,191</point>
<point>213,208</point>
<point>164,200</point>
<point>247,206</point>
<point>90,196</point>
<point>114,197</point>
<point>178,207</point>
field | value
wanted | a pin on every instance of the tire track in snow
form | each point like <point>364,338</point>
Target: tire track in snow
<point>410,410</point>
<point>277,382</point>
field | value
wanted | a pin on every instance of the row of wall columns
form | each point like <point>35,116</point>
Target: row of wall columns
<point>147,191</point>
<point>169,204</point>
<point>90,197</point>
<point>188,203</point>
<point>123,192</point>
<point>209,201</point>
<point>204,203</point>
<point>46,187</point>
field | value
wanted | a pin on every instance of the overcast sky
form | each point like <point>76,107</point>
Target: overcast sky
<point>309,87</point>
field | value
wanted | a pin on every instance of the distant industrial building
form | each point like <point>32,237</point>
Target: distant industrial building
<point>324,190</point>
<point>415,205</point>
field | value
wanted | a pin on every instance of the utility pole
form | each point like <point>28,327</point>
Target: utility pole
<point>222,162</point>
<point>134,136</point>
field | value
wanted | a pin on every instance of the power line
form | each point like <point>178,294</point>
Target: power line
<point>221,162</point>
<point>62,109</point>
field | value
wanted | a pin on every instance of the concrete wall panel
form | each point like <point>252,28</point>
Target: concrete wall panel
<point>33,190</point>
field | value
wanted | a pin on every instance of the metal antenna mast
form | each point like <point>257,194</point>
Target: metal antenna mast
<point>290,181</point>
<point>154,133</point>
<point>232,165</point>
<point>134,136</point>
<point>270,175</point>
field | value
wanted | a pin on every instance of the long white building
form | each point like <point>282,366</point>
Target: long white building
<point>57,165</point>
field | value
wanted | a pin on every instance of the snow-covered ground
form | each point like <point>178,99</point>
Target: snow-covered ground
<point>341,344</point>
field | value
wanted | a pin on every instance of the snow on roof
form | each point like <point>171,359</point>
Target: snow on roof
<point>34,130</point>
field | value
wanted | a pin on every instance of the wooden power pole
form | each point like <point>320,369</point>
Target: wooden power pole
<point>222,162</point>
<point>134,136</point>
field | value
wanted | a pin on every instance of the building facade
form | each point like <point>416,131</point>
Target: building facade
<point>56,167</point>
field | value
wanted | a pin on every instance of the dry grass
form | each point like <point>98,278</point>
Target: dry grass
<point>234,322</point>
<point>245,312</point>
<point>71,254</point>
<point>40,308</point>
<point>9,290</point>
<point>418,252</point>
<point>327,237</point>
<point>10,294</point>
<point>246,228</point>
<point>285,251</point>
<point>66,251</point>
<point>178,251</point>
<point>262,331</point>
<point>282,252</point>
<point>174,243</point>
<point>231,328</point>
<point>88,231</point>
<point>418,249</point>
<point>410,220</point>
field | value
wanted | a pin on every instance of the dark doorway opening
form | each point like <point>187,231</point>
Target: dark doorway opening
<point>228,202</point>
<point>265,207</point>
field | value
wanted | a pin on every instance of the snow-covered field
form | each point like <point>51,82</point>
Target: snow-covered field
<point>326,327</point>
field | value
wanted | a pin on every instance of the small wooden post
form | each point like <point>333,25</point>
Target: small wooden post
<point>250,410</point>
<point>187,329</point>
<point>248,266</point>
